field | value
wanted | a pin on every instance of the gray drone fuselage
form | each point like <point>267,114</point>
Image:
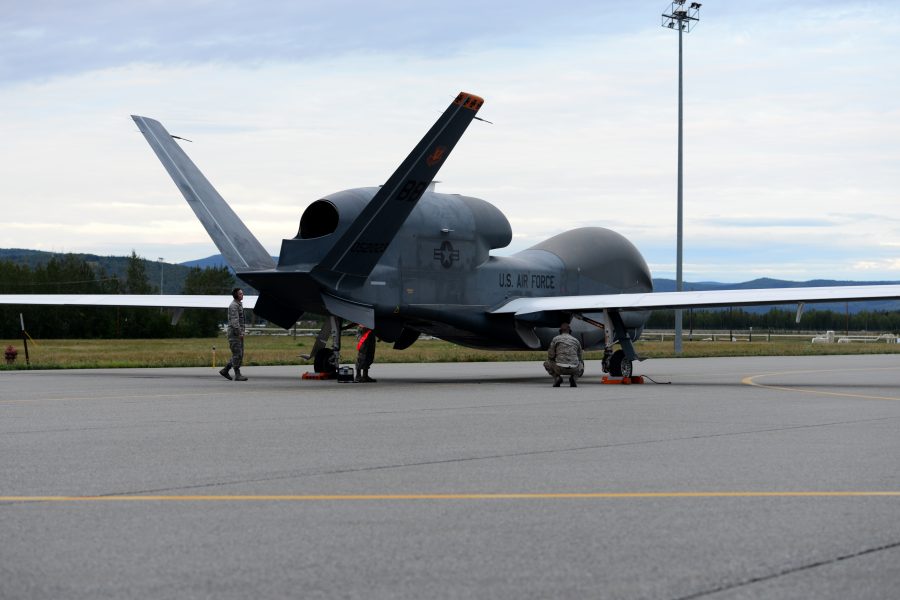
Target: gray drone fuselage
<point>437,276</point>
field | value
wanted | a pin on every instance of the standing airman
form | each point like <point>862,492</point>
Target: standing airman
<point>236,331</point>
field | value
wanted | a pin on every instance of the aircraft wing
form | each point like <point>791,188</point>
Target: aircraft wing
<point>699,299</point>
<point>150,300</point>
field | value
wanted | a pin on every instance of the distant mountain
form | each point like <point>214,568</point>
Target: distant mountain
<point>210,262</point>
<point>173,275</point>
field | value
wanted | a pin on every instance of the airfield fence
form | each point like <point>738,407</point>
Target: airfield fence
<point>750,335</point>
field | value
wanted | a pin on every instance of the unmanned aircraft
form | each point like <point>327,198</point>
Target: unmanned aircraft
<point>405,260</point>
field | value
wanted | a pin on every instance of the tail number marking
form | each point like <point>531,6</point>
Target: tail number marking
<point>412,190</point>
<point>369,247</point>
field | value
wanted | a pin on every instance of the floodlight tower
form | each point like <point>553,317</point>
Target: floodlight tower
<point>683,19</point>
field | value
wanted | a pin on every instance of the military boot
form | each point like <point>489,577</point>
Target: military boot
<point>238,376</point>
<point>366,378</point>
<point>572,381</point>
<point>558,381</point>
<point>358,377</point>
<point>224,372</point>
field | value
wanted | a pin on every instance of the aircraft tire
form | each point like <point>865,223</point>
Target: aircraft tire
<point>618,363</point>
<point>323,363</point>
<point>626,367</point>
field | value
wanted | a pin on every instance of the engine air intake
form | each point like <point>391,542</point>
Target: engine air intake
<point>319,219</point>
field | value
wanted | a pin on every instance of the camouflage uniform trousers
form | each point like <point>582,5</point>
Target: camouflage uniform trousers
<point>237,351</point>
<point>557,371</point>
<point>235,329</point>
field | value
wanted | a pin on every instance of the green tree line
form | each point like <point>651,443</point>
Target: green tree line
<point>71,275</point>
<point>778,320</point>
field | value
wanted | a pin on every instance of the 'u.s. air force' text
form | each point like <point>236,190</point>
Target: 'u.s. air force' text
<point>534,281</point>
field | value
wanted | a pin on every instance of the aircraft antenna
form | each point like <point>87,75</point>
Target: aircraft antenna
<point>683,19</point>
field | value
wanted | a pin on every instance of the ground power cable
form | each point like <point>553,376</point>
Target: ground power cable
<point>655,381</point>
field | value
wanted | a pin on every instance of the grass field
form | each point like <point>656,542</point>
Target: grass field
<point>285,350</point>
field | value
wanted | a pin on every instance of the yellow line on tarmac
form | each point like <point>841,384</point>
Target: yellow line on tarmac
<point>496,496</point>
<point>751,380</point>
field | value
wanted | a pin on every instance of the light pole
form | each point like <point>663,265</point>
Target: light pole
<point>683,19</point>
<point>161,275</point>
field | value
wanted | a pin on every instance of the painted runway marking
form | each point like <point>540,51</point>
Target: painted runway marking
<point>751,380</point>
<point>496,496</point>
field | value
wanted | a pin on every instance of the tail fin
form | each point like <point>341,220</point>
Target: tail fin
<point>364,242</point>
<point>238,246</point>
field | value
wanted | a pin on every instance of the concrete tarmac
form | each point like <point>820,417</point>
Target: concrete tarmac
<point>731,478</point>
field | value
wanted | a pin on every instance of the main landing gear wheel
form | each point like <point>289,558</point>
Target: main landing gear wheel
<point>323,362</point>
<point>619,366</point>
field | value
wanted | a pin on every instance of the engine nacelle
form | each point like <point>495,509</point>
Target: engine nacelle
<point>458,218</point>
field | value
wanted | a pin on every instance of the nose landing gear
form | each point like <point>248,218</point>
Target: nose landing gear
<point>617,363</point>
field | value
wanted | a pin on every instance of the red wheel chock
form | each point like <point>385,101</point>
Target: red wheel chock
<point>634,379</point>
<point>319,376</point>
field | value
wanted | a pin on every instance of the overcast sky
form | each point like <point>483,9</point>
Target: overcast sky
<point>792,122</point>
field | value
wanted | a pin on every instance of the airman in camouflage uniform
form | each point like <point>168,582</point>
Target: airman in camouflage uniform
<point>564,357</point>
<point>236,331</point>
